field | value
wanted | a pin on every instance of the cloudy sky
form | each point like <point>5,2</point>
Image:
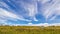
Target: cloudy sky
<point>29,11</point>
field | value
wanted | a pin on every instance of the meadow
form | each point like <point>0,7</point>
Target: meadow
<point>29,30</point>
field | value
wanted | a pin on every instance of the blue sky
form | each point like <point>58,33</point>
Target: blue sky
<point>29,11</point>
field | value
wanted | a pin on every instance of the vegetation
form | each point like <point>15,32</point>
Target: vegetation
<point>29,30</point>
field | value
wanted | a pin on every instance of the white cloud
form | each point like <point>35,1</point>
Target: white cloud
<point>5,16</point>
<point>2,21</point>
<point>44,1</point>
<point>50,9</point>
<point>5,13</point>
<point>2,4</point>
<point>32,9</point>
<point>29,23</point>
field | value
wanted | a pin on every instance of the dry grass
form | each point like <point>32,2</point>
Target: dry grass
<point>29,30</point>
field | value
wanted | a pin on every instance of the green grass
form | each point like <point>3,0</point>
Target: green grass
<point>29,30</point>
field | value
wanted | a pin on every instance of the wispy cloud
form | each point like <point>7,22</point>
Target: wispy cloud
<point>32,9</point>
<point>5,16</point>
<point>41,24</point>
<point>6,13</point>
<point>50,8</point>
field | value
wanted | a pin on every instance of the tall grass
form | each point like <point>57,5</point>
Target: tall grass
<point>29,30</point>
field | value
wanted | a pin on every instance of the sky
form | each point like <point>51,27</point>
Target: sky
<point>29,12</point>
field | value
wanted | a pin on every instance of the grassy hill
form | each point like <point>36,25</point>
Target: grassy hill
<point>29,30</point>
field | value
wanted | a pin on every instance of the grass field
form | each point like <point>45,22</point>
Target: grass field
<point>29,30</point>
